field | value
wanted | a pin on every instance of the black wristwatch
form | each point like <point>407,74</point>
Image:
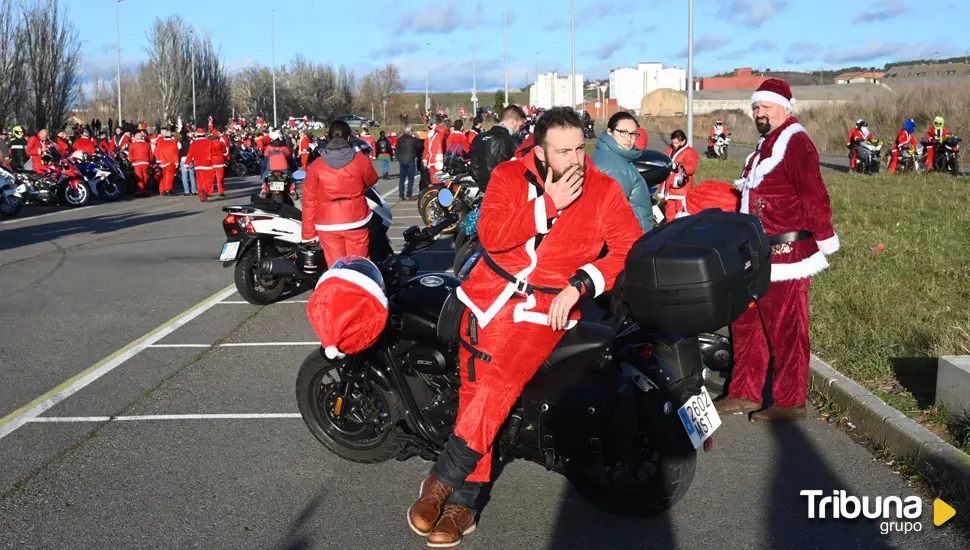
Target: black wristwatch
<point>579,282</point>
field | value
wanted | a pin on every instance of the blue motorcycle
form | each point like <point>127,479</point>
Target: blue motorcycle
<point>102,175</point>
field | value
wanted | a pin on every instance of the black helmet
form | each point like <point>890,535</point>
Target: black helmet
<point>861,123</point>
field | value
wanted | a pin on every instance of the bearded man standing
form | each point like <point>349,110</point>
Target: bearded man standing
<point>782,185</point>
<point>520,299</point>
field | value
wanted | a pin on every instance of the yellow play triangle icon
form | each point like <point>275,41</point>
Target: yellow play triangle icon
<point>942,512</point>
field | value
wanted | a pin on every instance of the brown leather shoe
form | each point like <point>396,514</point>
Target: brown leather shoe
<point>733,405</point>
<point>455,523</point>
<point>424,513</point>
<point>781,414</point>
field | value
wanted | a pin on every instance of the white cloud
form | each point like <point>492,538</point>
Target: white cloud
<point>802,52</point>
<point>706,43</point>
<point>753,13</point>
<point>891,11</point>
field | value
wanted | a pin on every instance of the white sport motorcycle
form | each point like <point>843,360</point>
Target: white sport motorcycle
<point>263,240</point>
<point>10,199</point>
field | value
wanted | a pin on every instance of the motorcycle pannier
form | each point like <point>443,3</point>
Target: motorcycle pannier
<point>698,273</point>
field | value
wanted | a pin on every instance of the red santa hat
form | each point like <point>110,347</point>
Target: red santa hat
<point>200,132</point>
<point>774,90</point>
<point>713,194</point>
<point>348,311</point>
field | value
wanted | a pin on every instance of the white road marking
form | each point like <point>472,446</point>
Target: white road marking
<point>54,419</point>
<point>38,406</point>
<point>50,214</point>
<point>235,345</point>
<point>283,302</point>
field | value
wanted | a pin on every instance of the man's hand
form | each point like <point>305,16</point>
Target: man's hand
<point>561,306</point>
<point>565,191</point>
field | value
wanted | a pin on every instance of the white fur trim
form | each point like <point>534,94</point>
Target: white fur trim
<point>358,279</point>
<point>772,97</point>
<point>333,353</point>
<point>761,167</point>
<point>344,226</point>
<point>542,221</point>
<point>523,314</point>
<point>599,282</point>
<point>830,245</point>
<point>799,270</point>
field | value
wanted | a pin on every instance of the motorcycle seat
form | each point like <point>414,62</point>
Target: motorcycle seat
<point>278,208</point>
<point>585,336</point>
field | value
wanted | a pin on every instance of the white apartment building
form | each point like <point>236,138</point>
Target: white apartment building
<point>629,85</point>
<point>551,90</point>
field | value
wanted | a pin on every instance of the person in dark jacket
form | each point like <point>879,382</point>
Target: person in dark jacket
<point>408,151</point>
<point>382,148</point>
<point>18,149</point>
<point>614,156</point>
<point>495,146</point>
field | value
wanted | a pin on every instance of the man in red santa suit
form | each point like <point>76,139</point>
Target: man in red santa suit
<point>220,155</point>
<point>521,298</point>
<point>434,148</point>
<point>782,185</point>
<point>167,155</point>
<point>140,155</point>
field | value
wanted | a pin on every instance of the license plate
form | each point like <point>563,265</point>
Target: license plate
<point>229,251</point>
<point>277,186</point>
<point>699,417</point>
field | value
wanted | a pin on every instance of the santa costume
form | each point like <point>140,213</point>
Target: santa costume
<point>782,185</point>
<point>505,335</point>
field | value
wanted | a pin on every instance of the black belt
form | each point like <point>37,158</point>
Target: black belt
<point>520,286</point>
<point>791,237</point>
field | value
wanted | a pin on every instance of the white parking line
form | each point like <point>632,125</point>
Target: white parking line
<point>53,419</point>
<point>38,406</point>
<point>50,214</point>
<point>235,345</point>
<point>274,303</point>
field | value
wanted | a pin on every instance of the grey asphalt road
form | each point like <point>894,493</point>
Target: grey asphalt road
<point>82,285</point>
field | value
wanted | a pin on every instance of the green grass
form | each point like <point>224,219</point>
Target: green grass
<point>884,319</point>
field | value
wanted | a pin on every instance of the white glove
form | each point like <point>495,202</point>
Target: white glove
<point>313,240</point>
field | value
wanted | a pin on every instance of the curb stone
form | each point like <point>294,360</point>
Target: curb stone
<point>886,426</point>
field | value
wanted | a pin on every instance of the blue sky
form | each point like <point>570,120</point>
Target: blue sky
<point>435,36</point>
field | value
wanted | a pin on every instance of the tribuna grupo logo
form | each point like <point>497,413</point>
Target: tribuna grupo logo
<point>897,514</point>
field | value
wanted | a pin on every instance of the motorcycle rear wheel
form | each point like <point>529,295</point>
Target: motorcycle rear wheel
<point>667,484</point>
<point>10,205</point>
<point>362,429</point>
<point>250,287</point>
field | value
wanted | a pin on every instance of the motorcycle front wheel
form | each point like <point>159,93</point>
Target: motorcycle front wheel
<point>110,189</point>
<point>351,416</point>
<point>10,205</point>
<point>252,287</point>
<point>433,211</point>
<point>77,196</point>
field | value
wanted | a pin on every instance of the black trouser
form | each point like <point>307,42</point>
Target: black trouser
<point>456,462</point>
<point>425,178</point>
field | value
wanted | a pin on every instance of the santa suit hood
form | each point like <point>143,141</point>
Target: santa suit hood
<point>338,153</point>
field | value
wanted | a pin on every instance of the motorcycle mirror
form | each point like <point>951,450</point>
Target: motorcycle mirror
<point>446,198</point>
<point>299,175</point>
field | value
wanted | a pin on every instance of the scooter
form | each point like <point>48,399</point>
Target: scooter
<point>263,242</point>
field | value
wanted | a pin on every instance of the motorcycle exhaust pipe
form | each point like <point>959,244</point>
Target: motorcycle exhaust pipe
<point>278,268</point>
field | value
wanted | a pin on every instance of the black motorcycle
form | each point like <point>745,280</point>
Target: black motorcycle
<point>946,157</point>
<point>619,406</point>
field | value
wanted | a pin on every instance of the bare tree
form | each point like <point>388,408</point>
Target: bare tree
<point>387,81</point>
<point>12,89</point>
<point>53,62</point>
<point>169,51</point>
<point>253,91</point>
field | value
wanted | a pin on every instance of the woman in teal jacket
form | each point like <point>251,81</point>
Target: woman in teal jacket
<point>614,155</point>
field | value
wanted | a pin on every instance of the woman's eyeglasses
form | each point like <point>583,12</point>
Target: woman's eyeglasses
<point>625,134</point>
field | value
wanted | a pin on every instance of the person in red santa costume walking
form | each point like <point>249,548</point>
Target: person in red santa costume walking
<point>167,155</point>
<point>782,185</point>
<point>543,224</point>
<point>220,155</point>
<point>434,148</point>
<point>685,159</point>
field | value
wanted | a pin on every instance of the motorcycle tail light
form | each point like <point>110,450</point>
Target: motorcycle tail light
<point>646,351</point>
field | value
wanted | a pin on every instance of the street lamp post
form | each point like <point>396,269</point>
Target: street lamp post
<point>272,14</point>
<point>474,69</point>
<point>427,86</point>
<point>572,79</point>
<point>506,25</point>
<point>118,22</point>
<point>690,74</point>
<point>194,119</point>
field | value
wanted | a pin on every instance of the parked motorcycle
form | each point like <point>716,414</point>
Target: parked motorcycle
<point>10,202</point>
<point>867,155</point>
<point>912,159</point>
<point>619,406</point>
<point>101,174</point>
<point>61,184</point>
<point>282,187</point>
<point>243,162</point>
<point>465,192</point>
<point>946,155</point>
<point>263,241</point>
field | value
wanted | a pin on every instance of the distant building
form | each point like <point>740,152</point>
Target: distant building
<point>910,76</point>
<point>805,97</point>
<point>867,77</point>
<point>551,90</point>
<point>664,102</point>
<point>628,86</point>
<point>743,79</point>
<point>606,108</point>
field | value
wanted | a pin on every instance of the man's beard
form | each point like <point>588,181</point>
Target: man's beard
<point>762,124</point>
